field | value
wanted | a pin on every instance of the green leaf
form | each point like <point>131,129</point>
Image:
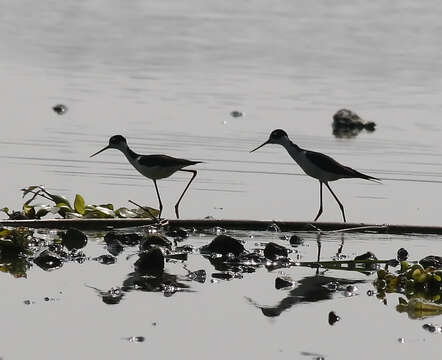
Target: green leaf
<point>79,204</point>
<point>107,206</point>
<point>124,212</point>
<point>60,199</point>
<point>146,214</point>
<point>98,212</point>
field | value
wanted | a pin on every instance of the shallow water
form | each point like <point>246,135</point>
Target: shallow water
<point>167,75</point>
<point>216,318</point>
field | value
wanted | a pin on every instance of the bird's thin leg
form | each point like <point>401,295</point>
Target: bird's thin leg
<point>159,199</point>
<point>320,197</point>
<point>336,198</point>
<point>188,184</point>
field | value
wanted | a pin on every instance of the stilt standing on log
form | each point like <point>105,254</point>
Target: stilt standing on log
<point>154,167</point>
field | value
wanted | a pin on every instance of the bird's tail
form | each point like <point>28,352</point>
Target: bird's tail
<point>360,175</point>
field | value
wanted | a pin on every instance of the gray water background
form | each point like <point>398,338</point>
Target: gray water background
<point>166,74</point>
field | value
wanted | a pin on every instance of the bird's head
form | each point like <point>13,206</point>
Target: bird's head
<point>115,142</point>
<point>277,136</point>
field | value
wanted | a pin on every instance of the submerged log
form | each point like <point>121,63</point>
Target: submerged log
<point>255,225</point>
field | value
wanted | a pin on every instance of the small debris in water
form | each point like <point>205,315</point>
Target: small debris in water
<point>333,318</point>
<point>236,113</point>
<point>401,340</point>
<point>60,109</point>
<point>154,323</point>
<point>432,328</point>
<point>135,339</point>
<point>370,292</point>
<point>28,302</point>
<point>350,290</point>
<point>169,290</point>
<point>106,259</point>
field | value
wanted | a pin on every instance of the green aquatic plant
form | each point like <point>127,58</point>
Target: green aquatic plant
<point>412,280</point>
<point>14,249</point>
<point>80,209</point>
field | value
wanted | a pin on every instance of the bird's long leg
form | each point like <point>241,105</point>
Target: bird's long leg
<point>336,198</point>
<point>159,199</point>
<point>320,197</point>
<point>188,184</point>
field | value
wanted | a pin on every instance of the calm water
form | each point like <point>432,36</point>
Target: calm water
<point>166,75</point>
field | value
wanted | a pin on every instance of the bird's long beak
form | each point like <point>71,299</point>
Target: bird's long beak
<point>260,146</point>
<point>105,148</point>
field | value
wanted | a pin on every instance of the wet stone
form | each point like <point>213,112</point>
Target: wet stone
<point>402,254</point>
<point>48,261</point>
<point>129,239</point>
<point>114,247</point>
<point>224,244</point>
<point>180,256</point>
<point>432,260</point>
<point>295,240</point>
<point>155,240</point>
<point>150,262</point>
<point>333,318</point>
<point>273,251</point>
<point>73,239</point>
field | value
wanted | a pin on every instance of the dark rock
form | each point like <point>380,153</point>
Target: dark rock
<point>114,247</point>
<point>181,256</point>
<point>129,239</point>
<point>48,261</point>
<point>431,260</point>
<point>150,262</point>
<point>333,318</point>
<point>283,282</point>
<point>295,240</point>
<point>224,244</point>
<point>402,254</point>
<point>155,240</point>
<point>273,251</point>
<point>73,239</point>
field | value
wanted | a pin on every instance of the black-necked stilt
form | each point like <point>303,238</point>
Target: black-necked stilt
<point>154,167</point>
<point>316,165</point>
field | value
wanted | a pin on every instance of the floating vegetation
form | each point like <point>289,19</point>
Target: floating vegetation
<point>421,285</point>
<point>79,210</point>
<point>348,124</point>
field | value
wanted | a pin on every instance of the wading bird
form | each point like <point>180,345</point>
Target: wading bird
<point>316,165</point>
<point>154,167</point>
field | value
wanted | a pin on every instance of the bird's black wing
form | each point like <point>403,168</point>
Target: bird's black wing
<point>165,160</point>
<point>330,165</point>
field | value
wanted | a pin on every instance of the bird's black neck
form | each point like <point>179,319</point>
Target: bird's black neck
<point>131,154</point>
<point>294,146</point>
